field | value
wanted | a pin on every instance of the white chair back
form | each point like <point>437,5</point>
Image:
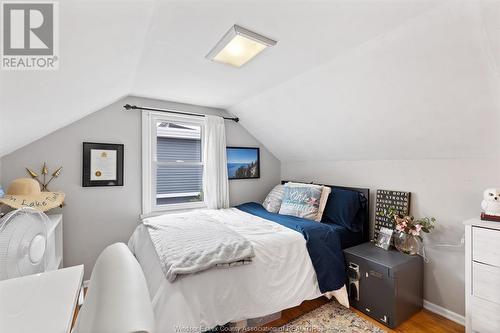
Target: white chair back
<point>117,299</point>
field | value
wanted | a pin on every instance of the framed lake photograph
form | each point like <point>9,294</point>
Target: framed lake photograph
<point>243,162</point>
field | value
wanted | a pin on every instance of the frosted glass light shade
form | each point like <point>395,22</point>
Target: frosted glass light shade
<point>238,46</point>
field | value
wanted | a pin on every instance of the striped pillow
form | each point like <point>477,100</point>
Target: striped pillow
<point>272,203</point>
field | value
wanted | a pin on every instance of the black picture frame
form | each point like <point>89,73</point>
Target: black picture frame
<point>86,169</point>
<point>257,175</point>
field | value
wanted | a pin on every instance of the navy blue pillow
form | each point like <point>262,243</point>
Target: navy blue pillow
<point>342,208</point>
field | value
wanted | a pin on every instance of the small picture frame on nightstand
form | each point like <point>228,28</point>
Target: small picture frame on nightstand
<point>384,238</point>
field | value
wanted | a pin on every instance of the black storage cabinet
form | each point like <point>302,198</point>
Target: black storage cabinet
<point>385,285</point>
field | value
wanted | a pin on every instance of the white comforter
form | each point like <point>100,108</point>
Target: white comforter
<point>281,276</point>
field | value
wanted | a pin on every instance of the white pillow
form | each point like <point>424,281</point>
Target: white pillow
<point>272,203</point>
<point>322,202</point>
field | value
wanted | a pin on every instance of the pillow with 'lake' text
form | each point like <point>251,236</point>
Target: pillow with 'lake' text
<point>301,201</point>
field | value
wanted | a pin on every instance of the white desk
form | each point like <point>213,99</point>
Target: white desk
<point>41,303</point>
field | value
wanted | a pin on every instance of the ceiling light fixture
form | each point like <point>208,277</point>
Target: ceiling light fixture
<point>238,46</point>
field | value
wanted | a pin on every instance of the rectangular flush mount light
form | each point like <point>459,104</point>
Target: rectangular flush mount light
<point>238,46</point>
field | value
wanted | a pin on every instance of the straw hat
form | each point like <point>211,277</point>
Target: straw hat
<point>25,192</point>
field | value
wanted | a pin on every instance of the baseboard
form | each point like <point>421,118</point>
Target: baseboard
<point>453,316</point>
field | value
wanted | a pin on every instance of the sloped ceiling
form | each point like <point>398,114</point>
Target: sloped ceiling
<point>100,47</point>
<point>427,89</point>
<point>348,79</point>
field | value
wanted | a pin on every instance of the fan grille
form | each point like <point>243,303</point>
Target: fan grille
<point>23,243</point>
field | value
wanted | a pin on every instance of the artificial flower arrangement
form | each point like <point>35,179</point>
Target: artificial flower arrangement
<point>407,225</point>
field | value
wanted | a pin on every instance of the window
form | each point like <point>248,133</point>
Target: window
<point>172,162</point>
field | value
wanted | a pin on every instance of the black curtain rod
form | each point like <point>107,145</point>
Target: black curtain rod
<point>134,107</point>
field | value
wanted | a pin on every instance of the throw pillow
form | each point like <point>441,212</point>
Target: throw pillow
<point>301,201</point>
<point>272,203</point>
<point>325,194</point>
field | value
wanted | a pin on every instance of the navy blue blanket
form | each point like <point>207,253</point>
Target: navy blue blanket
<point>324,244</point>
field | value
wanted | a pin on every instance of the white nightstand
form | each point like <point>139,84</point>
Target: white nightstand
<point>55,242</point>
<point>482,276</point>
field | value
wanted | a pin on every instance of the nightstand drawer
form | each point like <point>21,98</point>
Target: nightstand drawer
<point>485,246</point>
<point>486,282</point>
<point>484,318</point>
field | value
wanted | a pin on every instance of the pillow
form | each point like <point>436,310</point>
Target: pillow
<point>325,193</point>
<point>272,203</point>
<point>301,201</point>
<point>342,208</point>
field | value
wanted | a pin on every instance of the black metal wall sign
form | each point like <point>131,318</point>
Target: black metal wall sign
<point>387,199</point>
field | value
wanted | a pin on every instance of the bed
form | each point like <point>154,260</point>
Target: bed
<point>283,273</point>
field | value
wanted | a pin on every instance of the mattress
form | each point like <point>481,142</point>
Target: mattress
<point>281,276</point>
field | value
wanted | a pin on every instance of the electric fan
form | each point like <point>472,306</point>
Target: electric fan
<point>23,243</point>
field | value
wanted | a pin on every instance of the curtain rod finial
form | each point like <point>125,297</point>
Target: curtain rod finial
<point>128,107</point>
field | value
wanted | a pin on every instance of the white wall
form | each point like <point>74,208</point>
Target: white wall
<point>246,190</point>
<point>415,109</point>
<point>95,217</point>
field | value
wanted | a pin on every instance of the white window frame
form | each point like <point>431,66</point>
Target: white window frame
<point>150,162</point>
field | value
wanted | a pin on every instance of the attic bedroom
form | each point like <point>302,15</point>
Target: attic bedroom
<point>268,166</point>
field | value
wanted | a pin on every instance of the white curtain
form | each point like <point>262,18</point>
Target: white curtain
<point>215,180</point>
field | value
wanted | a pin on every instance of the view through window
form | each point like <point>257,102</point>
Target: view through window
<point>179,164</point>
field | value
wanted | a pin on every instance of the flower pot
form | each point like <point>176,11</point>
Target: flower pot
<point>406,243</point>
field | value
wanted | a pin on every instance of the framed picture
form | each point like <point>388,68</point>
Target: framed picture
<point>102,164</point>
<point>243,162</point>
<point>384,238</point>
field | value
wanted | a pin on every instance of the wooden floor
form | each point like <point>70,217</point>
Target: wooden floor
<point>424,321</point>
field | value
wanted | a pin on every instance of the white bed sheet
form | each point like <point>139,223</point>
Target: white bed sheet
<point>281,276</point>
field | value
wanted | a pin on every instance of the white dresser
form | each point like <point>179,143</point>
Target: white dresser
<point>482,276</point>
